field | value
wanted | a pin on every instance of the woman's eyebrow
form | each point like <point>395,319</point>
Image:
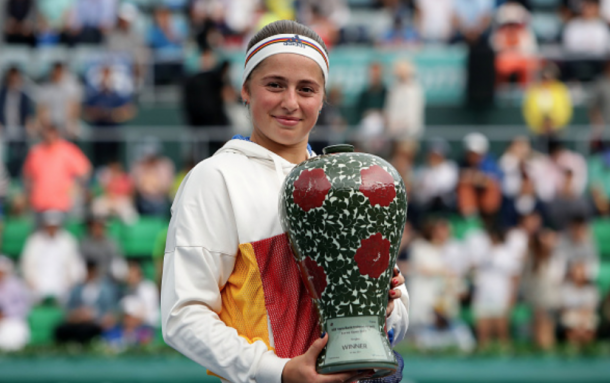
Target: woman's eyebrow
<point>281,78</point>
<point>309,82</point>
<point>275,77</point>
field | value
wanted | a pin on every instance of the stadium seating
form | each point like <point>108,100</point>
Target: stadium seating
<point>135,240</point>
<point>603,278</point>
<point>42,321</point>
<point>601,233</point>
<point>139,239</point>
<point>14,234</point>
<point>461,226</point>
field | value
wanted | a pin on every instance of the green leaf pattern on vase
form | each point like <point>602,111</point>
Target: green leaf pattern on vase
<point>345,214</point>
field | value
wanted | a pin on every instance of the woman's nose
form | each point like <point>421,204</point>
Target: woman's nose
<point>290,100</point>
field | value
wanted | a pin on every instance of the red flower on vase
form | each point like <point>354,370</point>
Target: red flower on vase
<point>373,255</point>
<point>377,185</point>
<point>310,189</point>
<point>314,276</point>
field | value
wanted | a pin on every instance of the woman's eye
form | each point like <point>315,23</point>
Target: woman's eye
<point>273,85</point>
<point>307,90</point>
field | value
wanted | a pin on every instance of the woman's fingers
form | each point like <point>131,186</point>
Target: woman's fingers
<point>397,280</point>
<point>395,294</point>
<point>315,349</point>
<point>389,308</point>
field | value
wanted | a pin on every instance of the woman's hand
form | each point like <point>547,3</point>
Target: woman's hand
<point>302,369</point>
<point>394,293</point>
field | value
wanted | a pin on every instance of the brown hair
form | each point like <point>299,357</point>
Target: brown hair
<point>281,27</point>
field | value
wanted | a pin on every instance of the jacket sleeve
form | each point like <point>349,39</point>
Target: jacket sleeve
<point>398,321</point>
<point>199,258</point>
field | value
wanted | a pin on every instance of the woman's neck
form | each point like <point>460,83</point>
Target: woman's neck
<point>294,154</point>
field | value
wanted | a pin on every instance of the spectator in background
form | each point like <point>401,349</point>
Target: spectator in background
<point>570,9</point>
<point>91,20</point>
<point>203,100</point>
<point>514,163</point>
<point>402,157</point>
<point>599,181</point>
<point>126,40</point>
<point>549,173</point>
<point>479,186</point>
<point>543,275</point>
<point>372,99</point>
<point>547,106</point>
<point>428,273</point>
<point>400,34</point>
<point>15,304</point>
<point>436,181</point>
<point>495,283</point>
<point>579,300</point>
<point>518,187</point>
<point>50,171</point>
<point>16,119</point>
<point>518,236</point>
<point>106,109</point>
<point>567,204</point>
<point>324,17</point>
<point>117,197</point>
<point>599,106</point>
<point>50,262</point>
<point>53,21</point>
<point>566,180</point>
<point>153,176</point>
<point>515,45</point>
<point>91,309</point>
<point>323,25</point>
<point>563,159</point>
<point>19,22</point>
<point>146,291</point>
<point>576,244</point>
<point>99,248</point>
<point>132,329</point>
<point>166,37</point>
<point>405,104</point>
<point>330,122</point>
<point>587,33</point>
<point>207,23</point>
<point>59,101</point>
<point>4,193</point>
<point>433,19</point>
<point>471,19</point>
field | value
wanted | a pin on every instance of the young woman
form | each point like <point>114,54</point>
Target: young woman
<point>232,299</point>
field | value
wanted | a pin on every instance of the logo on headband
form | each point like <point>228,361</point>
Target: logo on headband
<point>294,41</point>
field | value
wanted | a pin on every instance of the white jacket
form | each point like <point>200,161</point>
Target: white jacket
<point>226,206</point>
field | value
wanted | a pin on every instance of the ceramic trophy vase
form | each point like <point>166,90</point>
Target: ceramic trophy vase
<point>344,214</point>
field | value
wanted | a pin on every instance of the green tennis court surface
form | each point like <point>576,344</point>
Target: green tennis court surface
<point>181,370</point>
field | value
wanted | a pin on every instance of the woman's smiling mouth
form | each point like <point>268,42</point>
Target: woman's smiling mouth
<point>286,120</point>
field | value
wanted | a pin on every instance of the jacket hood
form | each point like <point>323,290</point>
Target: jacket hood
<point>259,154</point>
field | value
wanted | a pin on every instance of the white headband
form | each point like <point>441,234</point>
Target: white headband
<point>286,43</point>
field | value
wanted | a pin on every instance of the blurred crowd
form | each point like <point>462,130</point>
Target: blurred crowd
<point>528,209</point>
<point>99,294</point>
<point>529,242</point>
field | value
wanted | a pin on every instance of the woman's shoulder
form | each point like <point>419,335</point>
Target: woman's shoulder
<point>215,171</point>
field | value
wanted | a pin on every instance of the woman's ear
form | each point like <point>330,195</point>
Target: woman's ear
<point>245,94</point>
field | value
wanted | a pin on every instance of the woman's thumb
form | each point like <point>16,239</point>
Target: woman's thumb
<point>316,347</point>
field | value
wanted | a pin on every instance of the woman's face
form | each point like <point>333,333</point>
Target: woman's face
<point>286,94</point>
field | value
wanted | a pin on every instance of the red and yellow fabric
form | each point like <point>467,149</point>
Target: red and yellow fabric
<point>266,286</point>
